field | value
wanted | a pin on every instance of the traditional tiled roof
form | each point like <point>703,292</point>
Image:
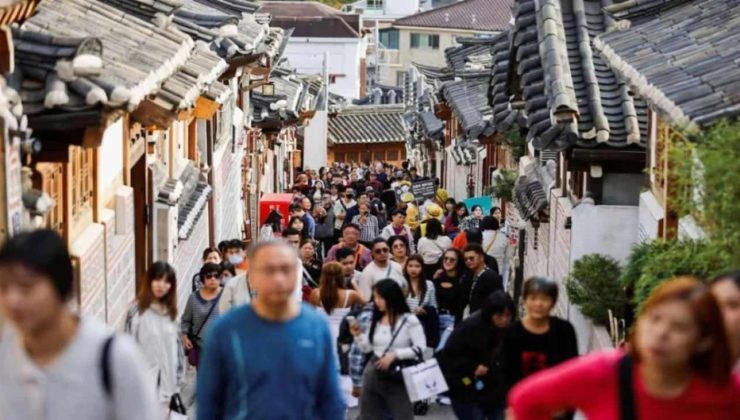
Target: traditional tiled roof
<point>234,7</point>
<point>684,59</point>
<point>472,57</point>
<point>532,190</point>
<point>80,54</point>
<point>465,152</point>
<point>368,124</point>
<point>468,99</point>
<point>146,9</point>
<point>312,19</point>
<point>434,73</point>
<point>290,99</point>
<point>431,125</point>
<point>572,98</point>
<point>191,80</point>
<point>229,34</point>
<point>505,114</point>
<point>479,15</point>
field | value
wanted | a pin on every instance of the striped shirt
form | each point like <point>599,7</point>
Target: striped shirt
<point>430,298</point>
<point>368,230</point>
<point>196,314</point>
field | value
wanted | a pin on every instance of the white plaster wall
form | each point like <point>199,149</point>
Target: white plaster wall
<point>314,142</point>
<point>227,173</point>
<point>608,230</point>
<point>110,172</point>
<point>307,56</point>
<point>650,213</point>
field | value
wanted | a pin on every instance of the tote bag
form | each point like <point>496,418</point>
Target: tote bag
<point>424,380</point>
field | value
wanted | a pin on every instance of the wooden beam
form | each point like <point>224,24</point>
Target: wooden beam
<point>205,108</point>
<point>150,114</point>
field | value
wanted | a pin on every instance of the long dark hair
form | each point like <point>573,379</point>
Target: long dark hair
<point>332,278</point>
<point>395,303</point>
<point>460,267</point>
<point>158,270</point>
<point>455,218</point>
<point>434,229</point>
<point>422,280</point>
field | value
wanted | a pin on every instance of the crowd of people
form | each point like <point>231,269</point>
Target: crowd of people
<point>394,279</point>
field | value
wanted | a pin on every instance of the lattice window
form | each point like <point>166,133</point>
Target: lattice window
<point>50,179</point>
<point>82,175</point>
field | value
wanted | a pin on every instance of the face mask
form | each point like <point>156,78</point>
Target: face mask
<point>236,259</point>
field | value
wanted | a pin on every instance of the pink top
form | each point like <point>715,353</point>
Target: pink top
<point>590,384</point>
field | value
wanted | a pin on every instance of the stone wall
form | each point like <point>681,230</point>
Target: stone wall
<point>88,251</point>
<point>120,256</point>
<point>188,259</point>
<point>227,191</point>
<point>560,245</point>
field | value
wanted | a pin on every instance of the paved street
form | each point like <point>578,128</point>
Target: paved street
<point>436,412</point>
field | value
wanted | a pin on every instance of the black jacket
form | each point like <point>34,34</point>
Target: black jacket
<point>474,292</point>
<point>474,342</point>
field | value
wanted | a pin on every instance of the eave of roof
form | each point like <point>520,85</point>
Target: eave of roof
<point>480,15</point>
<point>368,124</point>
<point>685,59</point>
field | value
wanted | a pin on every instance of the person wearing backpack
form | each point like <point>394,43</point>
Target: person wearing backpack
<point>54,364</point>
<point>152,321</point>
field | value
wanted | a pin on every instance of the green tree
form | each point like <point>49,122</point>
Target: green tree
<point>593,285</point>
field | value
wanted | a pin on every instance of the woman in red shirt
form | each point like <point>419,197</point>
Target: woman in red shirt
<point>678,367</point>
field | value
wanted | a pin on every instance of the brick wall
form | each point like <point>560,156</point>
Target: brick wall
<point>227,173</point>
<point>188,259</point>
<point>120,256</point>
<point>536,250</point>
<point>89,251</point>
<point>559,255</point>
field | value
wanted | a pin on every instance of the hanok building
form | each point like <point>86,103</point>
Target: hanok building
<point>683,58</point>
<point>280,109</point>
<point>368,133</point>
<point>81,66</point>
<point>586,132</point>
<point>138,106</point>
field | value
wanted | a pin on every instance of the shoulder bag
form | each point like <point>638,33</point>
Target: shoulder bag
<point>194,353</point>
<point>394,373</point>
<point>627,409</point>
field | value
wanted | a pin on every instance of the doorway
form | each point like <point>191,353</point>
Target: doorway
<point>139,184</point>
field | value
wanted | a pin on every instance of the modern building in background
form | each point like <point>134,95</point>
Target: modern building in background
<point>423,37</point>
<point>318,28</point>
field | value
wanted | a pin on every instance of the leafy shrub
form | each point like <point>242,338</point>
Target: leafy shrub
<point>593,285</point>
<point>503,184</point>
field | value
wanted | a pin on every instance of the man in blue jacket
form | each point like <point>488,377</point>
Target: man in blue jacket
<point>274,358</point>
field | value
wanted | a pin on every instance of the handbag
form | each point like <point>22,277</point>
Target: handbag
<point>394,373</point>
<point>424,380</point>
<point>176,405</point>
<point>194,353</point>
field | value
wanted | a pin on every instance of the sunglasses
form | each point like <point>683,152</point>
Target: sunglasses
<point>450,259</point>
<point>382,251</point>
<point>470,258</point>
<point>212,276</point>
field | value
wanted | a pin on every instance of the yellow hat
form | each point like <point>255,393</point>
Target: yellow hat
<point>434,211</point>
<point>442,195</point>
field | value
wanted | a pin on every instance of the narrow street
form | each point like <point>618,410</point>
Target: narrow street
<point>254,209</point>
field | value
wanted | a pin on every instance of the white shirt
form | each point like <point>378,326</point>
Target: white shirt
<point>71,387</point>
<point>373,274</point>
<point>158,337</point>
<point>236,293</point>
<point>410,337</point>
<point>496,245</point>
<point>389,231</point>
<point>431,250</point>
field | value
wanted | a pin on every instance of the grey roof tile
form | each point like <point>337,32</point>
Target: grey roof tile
<point>680,55</point>
<point>368,124</point>
<point>481,15</point>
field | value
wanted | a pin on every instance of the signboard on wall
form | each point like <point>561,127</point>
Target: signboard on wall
<point>11,160</point>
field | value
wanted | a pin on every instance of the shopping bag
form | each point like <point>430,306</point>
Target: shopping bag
<point>424,380</point>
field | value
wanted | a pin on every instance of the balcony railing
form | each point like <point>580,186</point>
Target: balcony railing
<point>378,56</point>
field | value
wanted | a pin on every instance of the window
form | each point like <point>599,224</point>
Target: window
<point>425,41</point>
<point>389,38</point>
<point>82,181</point>
<point>50,179</point>
<point>374,4</point>
<point>379,155</point>
<point>392,155</point>
<point>339,156</point>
